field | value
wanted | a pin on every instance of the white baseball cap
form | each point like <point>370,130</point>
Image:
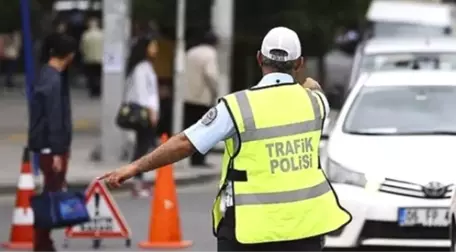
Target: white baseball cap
<point>284,39</point>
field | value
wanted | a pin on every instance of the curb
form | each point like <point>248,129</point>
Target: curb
<point>81,185</point>
<point>22,137</point>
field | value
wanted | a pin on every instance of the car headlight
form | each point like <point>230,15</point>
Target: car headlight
<point>338,174</point>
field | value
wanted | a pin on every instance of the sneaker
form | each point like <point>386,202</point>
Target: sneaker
<point>144,193</point>
<point>139,190</point>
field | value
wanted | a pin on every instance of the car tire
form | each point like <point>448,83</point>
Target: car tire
<point>453,234</point>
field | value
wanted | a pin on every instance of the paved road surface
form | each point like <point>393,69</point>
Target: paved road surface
<point>195,204</point>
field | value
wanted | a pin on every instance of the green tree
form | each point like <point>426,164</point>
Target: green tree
<point>314,21</point>
<point>11,13</point>
<point>164,13</point>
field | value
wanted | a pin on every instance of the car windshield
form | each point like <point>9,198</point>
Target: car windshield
<point>403,110</point>
<point>401,61</point>
<point>394,29</point>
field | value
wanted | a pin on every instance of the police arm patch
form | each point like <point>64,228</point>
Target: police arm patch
<point>209,117</point>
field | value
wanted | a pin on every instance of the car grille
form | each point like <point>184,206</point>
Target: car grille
<point>409,189</point>
<point>383,229</point>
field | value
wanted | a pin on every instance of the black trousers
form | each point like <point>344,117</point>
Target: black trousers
<point>310,244</point>
<point>165,124</point>
<point>145,141</point>
<point>93,75</point>
<point>192,113</point>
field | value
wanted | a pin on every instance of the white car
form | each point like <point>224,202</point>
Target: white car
<point>380,54</point>
<point>391,159</point>
<point>398,18</point>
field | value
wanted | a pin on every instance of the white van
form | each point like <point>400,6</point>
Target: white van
<point>83,5</point>
<point>390,18</point>
<point>387,54</point>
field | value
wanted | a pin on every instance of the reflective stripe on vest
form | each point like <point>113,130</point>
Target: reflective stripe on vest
<point>283,197</point>
<point>252,133</point>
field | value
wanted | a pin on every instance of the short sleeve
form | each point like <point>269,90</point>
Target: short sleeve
<point>139,87</point>
<point>145,87</point>
<point>215,126</point>
<point>153,100</point>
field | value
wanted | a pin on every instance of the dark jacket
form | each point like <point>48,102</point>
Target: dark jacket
<point>50,124</point>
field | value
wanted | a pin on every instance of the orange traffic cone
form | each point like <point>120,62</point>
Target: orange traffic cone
<point>22,225</point>
<point>164,225</point>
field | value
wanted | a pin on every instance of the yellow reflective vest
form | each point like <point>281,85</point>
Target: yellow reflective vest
<point>279,191</point>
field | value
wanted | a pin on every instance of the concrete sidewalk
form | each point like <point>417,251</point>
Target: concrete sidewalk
<point>82,171</point>
<point>13,106</point>
<point>14,114</point>
<point>86,117</point>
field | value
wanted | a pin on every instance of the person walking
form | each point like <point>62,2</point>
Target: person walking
<point>273,194</point>
<point>50,127</point>
<point>201,92</point>
<point>11,54</point>
<point>60,28</point>
<point>92,55</point>
<point>142,89</point>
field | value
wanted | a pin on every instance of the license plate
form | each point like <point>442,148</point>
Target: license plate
<point>426,217</point>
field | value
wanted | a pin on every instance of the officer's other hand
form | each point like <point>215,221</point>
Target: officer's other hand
<point>57,163</point>
<point>311,84</point>
<point>115,179</point>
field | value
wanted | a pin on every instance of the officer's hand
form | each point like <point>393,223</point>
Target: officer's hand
<point>311,84</point>
<point>115,179</point>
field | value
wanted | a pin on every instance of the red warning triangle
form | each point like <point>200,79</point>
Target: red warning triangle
<point>106,219</point>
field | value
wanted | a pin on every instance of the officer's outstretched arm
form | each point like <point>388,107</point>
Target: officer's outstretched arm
<point>175,149</point>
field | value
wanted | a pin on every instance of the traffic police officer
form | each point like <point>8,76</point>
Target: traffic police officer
<point>273,194</point>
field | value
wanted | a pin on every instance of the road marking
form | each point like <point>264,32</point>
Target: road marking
<point>20,137</point>
<point>81,125</point>
<point>84,124</point>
